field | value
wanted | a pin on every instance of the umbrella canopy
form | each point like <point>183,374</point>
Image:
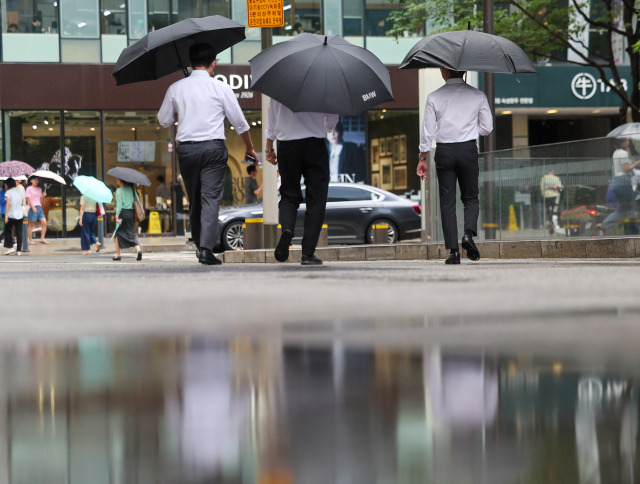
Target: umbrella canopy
<point>48,176</point>
<point>93,188</point>
<point>15,168</point>
<point>321,74</point>
<point>468,50</point>
<point>628,130</point>
<point>129,175</point>
<point>166,50</point>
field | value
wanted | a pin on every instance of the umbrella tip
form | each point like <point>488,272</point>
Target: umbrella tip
<point>325,40</point>
<point>468,24</point>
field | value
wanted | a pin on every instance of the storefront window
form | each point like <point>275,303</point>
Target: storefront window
<point>113,27</point>
<point>30,31</point>
<point>300,17</point>
<point>79,19</point>
<point>137,19</point>
<point>353,17</point>
<point>135,139</point>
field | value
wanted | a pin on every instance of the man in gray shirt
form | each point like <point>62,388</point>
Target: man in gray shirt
<point>251,188</point>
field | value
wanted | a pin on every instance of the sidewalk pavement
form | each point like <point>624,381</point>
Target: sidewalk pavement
<point>567,248</point>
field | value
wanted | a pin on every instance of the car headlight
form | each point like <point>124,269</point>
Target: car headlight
<point>222,218</point>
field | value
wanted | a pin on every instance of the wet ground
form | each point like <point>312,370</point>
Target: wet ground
<point>399,373</point>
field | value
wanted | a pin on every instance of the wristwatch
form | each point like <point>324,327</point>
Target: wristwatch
<point>421,158</point>
<point>269,151</point>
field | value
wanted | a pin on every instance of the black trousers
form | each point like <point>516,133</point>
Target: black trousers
<point>306,158</point>
<point>457,162</point>
<point>8,227</point>
<point>203,166</point>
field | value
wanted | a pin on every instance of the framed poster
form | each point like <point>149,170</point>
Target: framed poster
<point>403,148</point>
<point>389,144</point>
<point>375,155</point>
<point>386,174</point>
<point>396,150</point>
<point>375,179</point>
<point>399,177</point>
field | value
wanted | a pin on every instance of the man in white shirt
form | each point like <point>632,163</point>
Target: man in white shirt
<point>455,115</point>
<point>200,104</point>
<point>301,153</point>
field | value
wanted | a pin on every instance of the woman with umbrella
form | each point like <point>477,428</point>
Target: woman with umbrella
<point>34,196</point>
<point>125,219</point>
<point>88,222</point>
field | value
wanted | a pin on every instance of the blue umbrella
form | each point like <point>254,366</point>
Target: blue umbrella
<point>93,188</point>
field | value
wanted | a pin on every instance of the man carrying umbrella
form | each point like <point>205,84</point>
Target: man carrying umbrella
<point>455,115</point>
<point>301,153</point>
<point>200,104</point>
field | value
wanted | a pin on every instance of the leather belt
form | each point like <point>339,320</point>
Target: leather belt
<point>198,142</point>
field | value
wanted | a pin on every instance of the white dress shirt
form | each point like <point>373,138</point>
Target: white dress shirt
<point>285,125</point>
<point>201,103</point>
<point>454,113</point>
<point>620,158</point>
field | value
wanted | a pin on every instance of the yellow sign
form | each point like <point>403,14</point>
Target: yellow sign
<point>265,13</point>
<point>154,223</point>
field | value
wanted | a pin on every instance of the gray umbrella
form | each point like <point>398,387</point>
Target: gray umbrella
<point>321,74</point>
<point>166,50</point>
<point>129,175</point>
<point>467,50</point>
<point>628,130</point>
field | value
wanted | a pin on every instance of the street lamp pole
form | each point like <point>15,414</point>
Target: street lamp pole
<point>489,220</point>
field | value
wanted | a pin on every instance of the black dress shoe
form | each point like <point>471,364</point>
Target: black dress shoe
<point>282,249</point>
<point>310,260</point>
<point>207,258</point>
<point>472,251</point>
<point>454,258</point>
<point>198,253</point>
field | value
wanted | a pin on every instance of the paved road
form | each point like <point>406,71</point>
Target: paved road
<point>170,293</point>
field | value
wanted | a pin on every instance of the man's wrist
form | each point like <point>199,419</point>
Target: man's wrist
<point>269,151</point>
<point>422,158</point>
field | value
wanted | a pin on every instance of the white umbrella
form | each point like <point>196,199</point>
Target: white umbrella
<point>21,177</point>
<point>628,130</point>
<point>49,176</point>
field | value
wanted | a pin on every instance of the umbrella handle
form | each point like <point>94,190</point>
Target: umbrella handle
<point>185,71</point>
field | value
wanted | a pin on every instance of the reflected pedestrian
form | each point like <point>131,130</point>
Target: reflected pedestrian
<point>200,104</point>
<point>88,223</point>
<point>251,187</point>
<point>550,188</point>
<point>34,196</point>
<point>125,220</point>
<point>302,152</point>
<point>455,115</point>
<point>13,218</point>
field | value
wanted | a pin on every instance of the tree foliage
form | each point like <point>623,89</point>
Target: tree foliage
<point>546,30</point>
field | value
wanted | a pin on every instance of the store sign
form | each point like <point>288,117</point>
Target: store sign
<point>559,86</point>
<point>265,13</point>
<point>239,79</point>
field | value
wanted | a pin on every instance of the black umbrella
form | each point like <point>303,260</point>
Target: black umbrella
<point>468,50</point>
<point>321,74</point>
<point>166,50</point>
<point>129,175</point>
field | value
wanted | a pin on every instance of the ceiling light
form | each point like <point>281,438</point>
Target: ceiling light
<point>384,110</point>
<point>46,121</point>
<point>551,111</point>
<point>50,129</point>
<point>107,13</point>
<point>382,116</point>
<point>286,7</point>
<point>596,111</point>
<point>93,129</point>
<point>506,112</point>
<point>232,127</point>
<point>55,4</point>
<point>82,24</point>
<point>133,129</point>
<point>259,122</point>
<point>253,123</point>
<point>34,126</point>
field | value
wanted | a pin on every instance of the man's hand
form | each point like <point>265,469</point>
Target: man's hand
<point>272,158</point>
<point>422,169</point>
<point>251,152</point>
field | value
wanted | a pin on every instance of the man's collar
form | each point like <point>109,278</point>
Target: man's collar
<point>200,72</point>
<point>455,80</point>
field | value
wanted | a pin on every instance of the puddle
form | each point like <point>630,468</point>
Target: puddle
<point>243,410</point>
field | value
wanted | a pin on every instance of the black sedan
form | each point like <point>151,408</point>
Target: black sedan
<point>352,209</point>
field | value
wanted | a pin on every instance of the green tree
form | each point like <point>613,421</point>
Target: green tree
<point>545,30</point>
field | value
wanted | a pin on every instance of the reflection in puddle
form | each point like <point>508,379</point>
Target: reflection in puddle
<point>246,411</point>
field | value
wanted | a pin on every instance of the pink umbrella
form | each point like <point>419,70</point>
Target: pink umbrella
<point>15,168</point>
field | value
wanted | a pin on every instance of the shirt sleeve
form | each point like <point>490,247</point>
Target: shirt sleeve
<point>428,127</point>
<point>270,131</point>
<point>233,111</point>
<point>485,120</point>
<point>166,115</point>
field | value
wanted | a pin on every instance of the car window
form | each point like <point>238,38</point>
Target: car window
<point>350,194</point>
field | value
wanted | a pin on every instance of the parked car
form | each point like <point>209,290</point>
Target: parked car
<point>352,208</point>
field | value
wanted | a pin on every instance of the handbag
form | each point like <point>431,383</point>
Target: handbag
<point>138,211</point>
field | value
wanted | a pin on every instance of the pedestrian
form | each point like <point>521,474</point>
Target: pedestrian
<point>455,115</point>
<point>251,187</point>
<point>125,219</point>
<point>34,196</point>
<point>163,200</point>
<point>88,223</point>
<point>302,152</point>
<point>3,208</point>
<point>200,104</point>
<point>550,188</point>
<point>13,218</point>
<point>625,197</point>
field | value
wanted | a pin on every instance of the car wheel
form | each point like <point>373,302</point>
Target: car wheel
<point>392,233</point>
<point>233,237</point>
